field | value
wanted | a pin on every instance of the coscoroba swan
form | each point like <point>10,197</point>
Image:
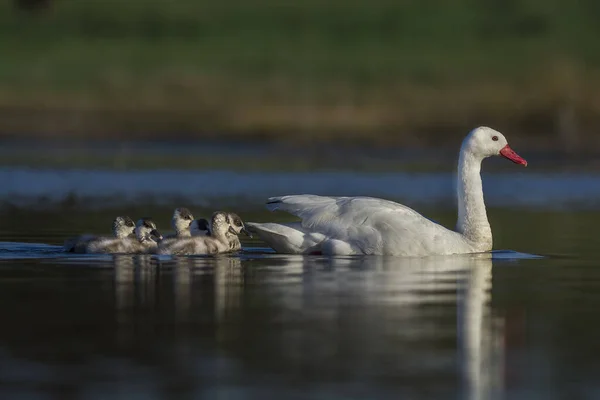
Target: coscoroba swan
<point>366,225</point>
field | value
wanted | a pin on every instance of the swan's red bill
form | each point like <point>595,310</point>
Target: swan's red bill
<point>509,153</point>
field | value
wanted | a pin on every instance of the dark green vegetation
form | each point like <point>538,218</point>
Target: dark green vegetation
<point>377,70</point>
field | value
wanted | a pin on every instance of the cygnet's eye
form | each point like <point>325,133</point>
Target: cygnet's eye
<point>495,138</point>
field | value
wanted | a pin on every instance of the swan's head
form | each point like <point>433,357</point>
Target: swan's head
<point>182,218</point>
<point>199,227</point>
<point>486,142</point>
<point>123,227</point>
<point>145,230</point>
<point>236,226</point>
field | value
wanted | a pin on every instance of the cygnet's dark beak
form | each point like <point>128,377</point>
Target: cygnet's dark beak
<point>155,235</point>
<point>246,232</point>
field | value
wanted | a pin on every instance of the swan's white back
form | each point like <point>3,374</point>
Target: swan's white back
<point>357,225</point>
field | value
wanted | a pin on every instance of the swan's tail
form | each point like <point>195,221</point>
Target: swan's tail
<point>285,238</point>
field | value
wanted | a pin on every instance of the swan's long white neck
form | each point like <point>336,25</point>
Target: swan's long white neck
<point>472,218</point>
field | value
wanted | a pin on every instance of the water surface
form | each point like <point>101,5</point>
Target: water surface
<point>258,325</point>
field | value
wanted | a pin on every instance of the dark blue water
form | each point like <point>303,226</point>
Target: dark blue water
<point>261,325</point>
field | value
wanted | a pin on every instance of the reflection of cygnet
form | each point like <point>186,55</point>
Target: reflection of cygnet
<point>145,241</point>
<point>216,242</point>
<point>122,227</point>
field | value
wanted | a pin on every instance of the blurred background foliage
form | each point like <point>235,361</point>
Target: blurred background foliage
<point>378,72</point>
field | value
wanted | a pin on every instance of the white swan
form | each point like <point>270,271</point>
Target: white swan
<point>366,225</point>
<point>216,242</point>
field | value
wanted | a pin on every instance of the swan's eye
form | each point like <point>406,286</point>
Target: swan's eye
<point>495,138</point>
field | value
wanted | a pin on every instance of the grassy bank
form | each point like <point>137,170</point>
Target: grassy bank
<point>303,70</point>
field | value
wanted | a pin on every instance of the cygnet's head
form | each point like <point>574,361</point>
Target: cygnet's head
<point>236,225</point>
<point>123,227</point>
<point>182,217</point>
<point>486,142</point>
<point>199,227</point>
<point>145,230</point>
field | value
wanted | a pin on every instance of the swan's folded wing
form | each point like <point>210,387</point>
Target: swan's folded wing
<point>368,224</point>
<point>318,212</point>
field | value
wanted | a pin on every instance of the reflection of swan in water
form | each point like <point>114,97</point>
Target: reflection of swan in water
<point>476,340</point>
<point>400,295</point>
<point>361,316</point>
<point>479,338</point>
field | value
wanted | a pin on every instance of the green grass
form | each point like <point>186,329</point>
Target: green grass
<point>298,70</point>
